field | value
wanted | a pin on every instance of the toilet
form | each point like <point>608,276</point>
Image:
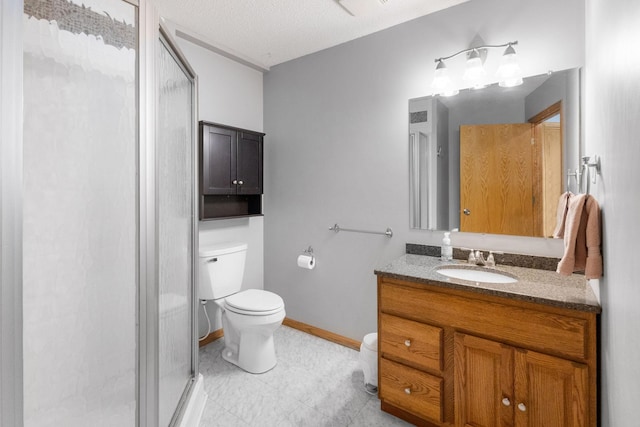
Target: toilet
<point>249,317</point>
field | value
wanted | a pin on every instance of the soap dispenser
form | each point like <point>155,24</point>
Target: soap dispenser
<point>446,251</point>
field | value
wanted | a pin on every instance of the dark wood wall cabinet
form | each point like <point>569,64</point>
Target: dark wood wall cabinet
<point>230,171</point>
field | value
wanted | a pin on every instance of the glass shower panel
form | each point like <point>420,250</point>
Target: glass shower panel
<point>175,174</point>
<point>80,213</point>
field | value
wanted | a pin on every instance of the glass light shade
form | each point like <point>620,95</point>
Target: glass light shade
<point>509,73</point>
<point>475,74</point>
<point>442,83</point>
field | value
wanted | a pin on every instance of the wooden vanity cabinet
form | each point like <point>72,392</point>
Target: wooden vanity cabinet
<point>450,357</point>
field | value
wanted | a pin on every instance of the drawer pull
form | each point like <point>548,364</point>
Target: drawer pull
<point>407,390</point>
<point>522,407</point>
<point>506,401</point>
<point>407,343</point>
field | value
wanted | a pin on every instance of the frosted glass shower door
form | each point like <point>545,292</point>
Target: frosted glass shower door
<point>175,168</point>
<point>80,220</point>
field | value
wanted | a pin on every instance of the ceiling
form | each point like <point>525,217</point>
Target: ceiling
<point>268,32</point>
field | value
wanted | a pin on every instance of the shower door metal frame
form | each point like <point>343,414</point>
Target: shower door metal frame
<point>11,352</point>
<point>148,384</point>
<point>148,310</point>
<point>172,47</point>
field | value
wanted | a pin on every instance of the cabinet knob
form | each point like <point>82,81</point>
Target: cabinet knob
<point>407,390</point>
<point>506,401</point>
<point>522,407</point>
<point>240,182</point>
<point>235,182</point>
<point>407,343</point>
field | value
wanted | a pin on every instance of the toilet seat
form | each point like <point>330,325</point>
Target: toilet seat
<point>254,302</point>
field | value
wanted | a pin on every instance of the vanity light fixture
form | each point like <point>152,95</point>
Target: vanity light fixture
<point>509,73</point>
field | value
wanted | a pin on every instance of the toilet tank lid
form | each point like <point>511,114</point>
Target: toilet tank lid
<point>222,249</point>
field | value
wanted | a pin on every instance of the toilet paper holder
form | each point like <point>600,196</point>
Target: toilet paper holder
<point>307,260</point>
<point>309,251</point>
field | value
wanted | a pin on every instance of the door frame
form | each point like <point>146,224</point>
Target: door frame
<point>538,193</point>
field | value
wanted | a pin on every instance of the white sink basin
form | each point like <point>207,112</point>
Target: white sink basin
<point>476,275</point>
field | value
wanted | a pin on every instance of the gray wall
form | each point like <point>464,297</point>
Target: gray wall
<point>612,112</point>
<point>336,149</point>
<point>563,87</point>
<point>229,93</point>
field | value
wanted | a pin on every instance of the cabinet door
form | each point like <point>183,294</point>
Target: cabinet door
<point>218,161</point>
<point>483,376</point>
<point>549,391</point>
<point>249,163</point>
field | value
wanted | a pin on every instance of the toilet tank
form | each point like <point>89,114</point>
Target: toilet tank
<point>221,270</point>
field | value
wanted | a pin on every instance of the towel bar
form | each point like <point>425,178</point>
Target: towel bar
<point>337,228</point>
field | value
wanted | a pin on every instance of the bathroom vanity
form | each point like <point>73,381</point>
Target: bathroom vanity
<point>465,353</point>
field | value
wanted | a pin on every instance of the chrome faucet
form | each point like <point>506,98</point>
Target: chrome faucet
<point>477,257</point>
<point>472,257</point>
<point>490,262</point>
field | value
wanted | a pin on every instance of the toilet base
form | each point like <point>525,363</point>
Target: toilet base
<point>248,340</point>
<point>261,357</point>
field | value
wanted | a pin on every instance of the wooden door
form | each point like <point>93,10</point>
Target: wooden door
<point>553,392</point>
<point>218,161</point>
<point>549,151</point>
<point>496,179</point>
<point>249,168</point>
<point>483,376</point>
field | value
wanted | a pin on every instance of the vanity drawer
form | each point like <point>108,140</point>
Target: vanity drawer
<point>410,389</point>
<point>517,323</point>
<point>414,342</point>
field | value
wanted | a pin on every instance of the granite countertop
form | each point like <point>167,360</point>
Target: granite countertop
<point>538,286</point>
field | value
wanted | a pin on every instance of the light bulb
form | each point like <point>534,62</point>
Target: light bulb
<point>442,83</point>
<point>509,73</point>
<point>475,74</point>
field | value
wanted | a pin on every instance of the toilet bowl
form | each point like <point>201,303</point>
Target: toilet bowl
<point>249,317</point>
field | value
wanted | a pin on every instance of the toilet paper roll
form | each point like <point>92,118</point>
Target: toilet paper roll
<point>306,261</point>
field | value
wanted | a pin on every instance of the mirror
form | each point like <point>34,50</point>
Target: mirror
<point>495,160</point>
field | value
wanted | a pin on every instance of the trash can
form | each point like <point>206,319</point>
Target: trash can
<point>369,362</point>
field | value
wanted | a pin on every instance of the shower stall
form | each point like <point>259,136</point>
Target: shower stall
<point>98,301</point>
